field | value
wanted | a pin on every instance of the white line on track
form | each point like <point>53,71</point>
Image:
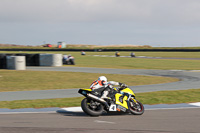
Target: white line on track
<point>78,109</point>
<point>72,109</point>
<point>195,104</point>
<point>66,111</point>
<point>106,122</point>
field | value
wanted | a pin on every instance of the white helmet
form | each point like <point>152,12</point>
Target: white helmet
<point>103,78</point>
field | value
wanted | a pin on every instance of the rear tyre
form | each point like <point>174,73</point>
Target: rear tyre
<point>91,108</point>
<point>136,108</point>
<point>72,61</point>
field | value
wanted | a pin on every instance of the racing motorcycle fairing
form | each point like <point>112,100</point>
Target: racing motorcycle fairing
<point>84,91</point>
<point>129,91</point>
<point>123,100</point>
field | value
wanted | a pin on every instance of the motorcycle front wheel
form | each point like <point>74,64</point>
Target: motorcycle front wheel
<point>136,108</point>
<point>91,107</point>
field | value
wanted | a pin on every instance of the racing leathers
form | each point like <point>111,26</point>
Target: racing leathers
<point>106,87</point>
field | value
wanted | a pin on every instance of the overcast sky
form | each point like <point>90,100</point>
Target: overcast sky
<point>101,22</point>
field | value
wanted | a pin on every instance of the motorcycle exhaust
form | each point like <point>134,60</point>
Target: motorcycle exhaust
<point>98,99</point>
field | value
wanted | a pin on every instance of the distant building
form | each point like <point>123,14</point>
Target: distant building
<point>61,45</point>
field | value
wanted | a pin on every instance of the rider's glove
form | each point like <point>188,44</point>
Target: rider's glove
<point>122,85</point>
<point>121,92</point>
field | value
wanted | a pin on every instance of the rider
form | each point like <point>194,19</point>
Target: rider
<point>103,85</point>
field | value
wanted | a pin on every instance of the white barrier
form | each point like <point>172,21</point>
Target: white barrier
<point>16,62</point>
<point>50,59</point>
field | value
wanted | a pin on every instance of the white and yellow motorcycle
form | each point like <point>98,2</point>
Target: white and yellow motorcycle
<point>123,100</point>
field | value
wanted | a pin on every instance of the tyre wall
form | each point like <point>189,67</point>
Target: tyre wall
<point>34,59</point>
<point>16,62</point>
<point>50,59</point>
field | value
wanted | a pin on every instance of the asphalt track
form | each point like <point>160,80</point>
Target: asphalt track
<point>152,121</point>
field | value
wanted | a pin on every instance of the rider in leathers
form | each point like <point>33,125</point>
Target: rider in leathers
<point>103,84</point>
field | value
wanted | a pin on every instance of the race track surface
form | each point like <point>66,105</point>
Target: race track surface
<point>152,121</point>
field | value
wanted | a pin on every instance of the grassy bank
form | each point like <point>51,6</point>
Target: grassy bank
<point>11,80</point>
<point>153,54</point>
<point>162,97</point>
<point>33,80</point>
<point>170,97</point>
<point>122,53</point>
<point>135,63</point>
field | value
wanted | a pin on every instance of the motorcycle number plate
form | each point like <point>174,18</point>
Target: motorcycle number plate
<point>113,107</point>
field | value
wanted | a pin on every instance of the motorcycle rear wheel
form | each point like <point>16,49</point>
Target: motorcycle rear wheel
<point>87,107</point>
<point>136,109</point>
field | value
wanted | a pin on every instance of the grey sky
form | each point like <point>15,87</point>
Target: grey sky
<point>101,22</point>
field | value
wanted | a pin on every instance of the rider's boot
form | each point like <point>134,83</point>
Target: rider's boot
<point>105,95</point>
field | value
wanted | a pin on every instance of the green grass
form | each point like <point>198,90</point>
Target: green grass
<point>135,63</point>
<point>162,97</point>
<point>153,54</point>
<point>29,80</point>
<point>170,97</point>
<point>11,80</point>
<point>122,53</point>
<point>170,54</point>
<point>42,103</point>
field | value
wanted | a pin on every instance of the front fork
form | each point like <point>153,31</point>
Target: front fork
<point>131,104</point>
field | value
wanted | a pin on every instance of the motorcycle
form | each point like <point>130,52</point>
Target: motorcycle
<point>122,100</point>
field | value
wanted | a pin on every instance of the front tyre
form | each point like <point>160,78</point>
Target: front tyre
<point>136,108</point>
<point>91,107</point>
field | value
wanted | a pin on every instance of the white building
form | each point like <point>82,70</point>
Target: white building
<point>61,45</point>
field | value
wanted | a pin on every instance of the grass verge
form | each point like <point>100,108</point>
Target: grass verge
<point>162,97</point>
<point>153,54</point>
<point>170,97</point>
<point>11,80</point>
<point>133,63</point>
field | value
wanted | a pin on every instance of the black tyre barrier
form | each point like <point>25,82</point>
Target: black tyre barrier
<point>36,59</point>
<point>3,61</point>
<point>31,59</point>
